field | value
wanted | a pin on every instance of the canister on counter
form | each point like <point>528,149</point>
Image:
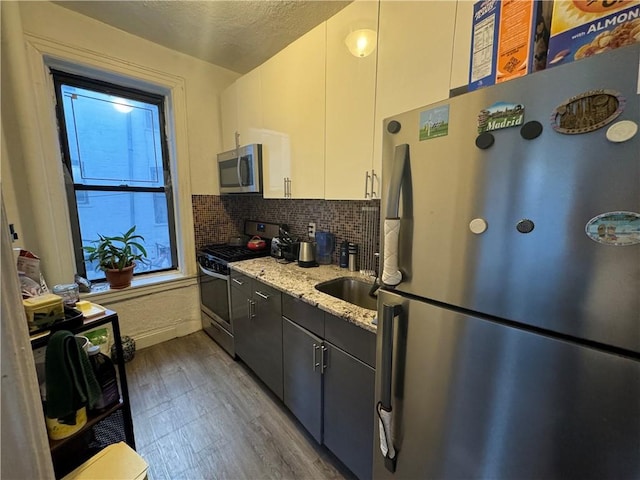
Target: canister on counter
<point>70,293</point>
<point>353,257</point>
<point>344,254</point>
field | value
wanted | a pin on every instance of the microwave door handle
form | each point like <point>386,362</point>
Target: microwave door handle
<point>391,274</point>
<point>239,170</point>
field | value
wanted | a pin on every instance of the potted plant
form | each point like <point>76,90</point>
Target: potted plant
<point>116,256</point>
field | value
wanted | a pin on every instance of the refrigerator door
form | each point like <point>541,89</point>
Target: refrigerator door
<point>554,277</point>
<point>476,399</point>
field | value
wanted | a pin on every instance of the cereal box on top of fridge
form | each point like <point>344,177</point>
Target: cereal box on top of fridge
<point>582,28</point>
<point>509,40</point>
<point>484,43</point>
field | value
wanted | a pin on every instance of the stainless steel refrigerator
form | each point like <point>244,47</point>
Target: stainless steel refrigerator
<point>509,325</point>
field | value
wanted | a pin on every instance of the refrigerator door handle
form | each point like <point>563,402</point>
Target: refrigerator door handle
<point>384,407</point>
<point>391,274</point>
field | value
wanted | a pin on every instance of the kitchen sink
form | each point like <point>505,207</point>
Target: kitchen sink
<point>350,290</point>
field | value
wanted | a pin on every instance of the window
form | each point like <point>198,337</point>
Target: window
<point>116,167</point>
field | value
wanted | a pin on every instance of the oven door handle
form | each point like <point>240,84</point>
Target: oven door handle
<point>213,274</point>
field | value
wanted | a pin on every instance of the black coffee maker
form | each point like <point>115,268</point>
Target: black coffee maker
<point>287,247</point>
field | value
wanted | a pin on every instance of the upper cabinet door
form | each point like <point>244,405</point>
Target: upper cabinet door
<point>414,59</point>
<point>351,83</point>
<point>250,108</point>
<point>242,111</point>
<point>229,108</point>
<point>293,101</point>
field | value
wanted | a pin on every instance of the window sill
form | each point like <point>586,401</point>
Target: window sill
<point>141,286</point>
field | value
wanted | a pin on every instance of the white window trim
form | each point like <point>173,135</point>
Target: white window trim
<point>43,53</point>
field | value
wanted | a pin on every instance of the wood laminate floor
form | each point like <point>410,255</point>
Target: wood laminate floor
<point>198,414</point>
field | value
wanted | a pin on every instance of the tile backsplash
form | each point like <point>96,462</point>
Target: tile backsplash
<point>216,218</point>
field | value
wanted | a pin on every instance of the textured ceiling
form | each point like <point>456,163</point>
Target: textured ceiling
<point>238,35</point>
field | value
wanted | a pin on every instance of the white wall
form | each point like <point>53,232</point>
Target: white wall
<point>52,31</point>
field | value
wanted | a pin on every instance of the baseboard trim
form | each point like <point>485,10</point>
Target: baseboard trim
<point>164,334</point>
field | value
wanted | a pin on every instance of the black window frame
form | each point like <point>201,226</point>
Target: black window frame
<point>59,78</point>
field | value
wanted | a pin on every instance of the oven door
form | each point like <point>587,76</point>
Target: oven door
<point>214,296</point>
<point>214,303</point>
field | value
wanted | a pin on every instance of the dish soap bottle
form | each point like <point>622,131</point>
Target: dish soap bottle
<point>105,373</point>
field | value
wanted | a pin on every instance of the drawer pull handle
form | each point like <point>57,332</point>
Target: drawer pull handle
<point>237,282</point>
<point>262,295</point>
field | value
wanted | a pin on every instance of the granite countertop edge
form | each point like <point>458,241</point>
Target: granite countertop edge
<point>300,283</point>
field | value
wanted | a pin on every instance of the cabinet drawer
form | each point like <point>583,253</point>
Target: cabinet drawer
<point>357,341</point>
<point>241,282</point>
<point>303,314</point>
<point>261,290</point>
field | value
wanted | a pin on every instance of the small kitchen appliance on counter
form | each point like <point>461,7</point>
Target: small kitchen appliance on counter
<point>213,263</point>
<point>307,255</point>
<point>285,247</point>
<point>276,248</point>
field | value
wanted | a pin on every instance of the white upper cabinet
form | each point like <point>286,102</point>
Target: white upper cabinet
<point>229,110</point>
<point>317,109</point>
<point>250,121</point>
<point>414,59</point>
<point>293,112</point>
<point>350,102</point>
<point>241,105</point>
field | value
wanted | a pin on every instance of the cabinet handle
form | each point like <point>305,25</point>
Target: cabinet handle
<point>324,350</point>
<point>238,282</point>
<point>366,184</point>
<point>289,188</point>
<point>252,309</point>
<point>262,295</point>
<point>285,186</point>
<point>373,193</point>
<point>315,361</point>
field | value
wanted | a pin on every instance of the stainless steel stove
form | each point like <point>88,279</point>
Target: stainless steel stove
<point>215,294</point>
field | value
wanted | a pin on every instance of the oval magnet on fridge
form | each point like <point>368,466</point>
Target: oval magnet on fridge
<point>615,228</point>
<point>587,112</point>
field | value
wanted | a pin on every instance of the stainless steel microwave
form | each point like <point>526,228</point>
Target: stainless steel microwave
<point>240,170</point>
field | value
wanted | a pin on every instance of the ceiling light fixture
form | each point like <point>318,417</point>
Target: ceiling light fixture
<point>361,43</point>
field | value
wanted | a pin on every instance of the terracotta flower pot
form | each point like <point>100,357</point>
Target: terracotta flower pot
<point>119,278</point>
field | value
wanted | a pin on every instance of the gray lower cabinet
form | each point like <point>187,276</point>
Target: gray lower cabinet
<point>329,381</point>
<point>302,365</point>
<point>257,325</point>
<point>348,410</point>
<point>319,365</point>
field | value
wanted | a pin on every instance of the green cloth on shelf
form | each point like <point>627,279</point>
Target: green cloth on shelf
<point>71,383</point>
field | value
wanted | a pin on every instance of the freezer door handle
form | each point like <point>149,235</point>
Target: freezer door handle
<point>391,274</point>
<point>384,407</point>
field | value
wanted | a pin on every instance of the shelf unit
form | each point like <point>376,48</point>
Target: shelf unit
<point>72,451</point>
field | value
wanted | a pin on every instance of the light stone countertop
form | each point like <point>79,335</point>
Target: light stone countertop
<point>300,282</point>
